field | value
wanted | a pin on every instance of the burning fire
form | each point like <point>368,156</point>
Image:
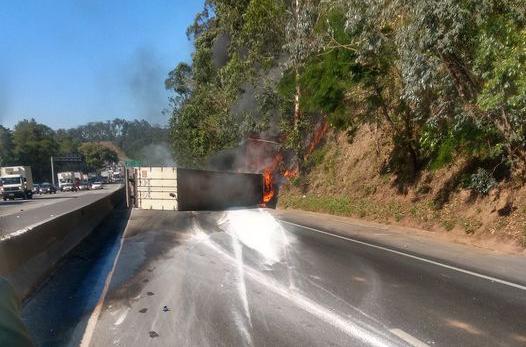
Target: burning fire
<point>268,180</point>
<point>279,166</point>
<point>268,187</point>
<point>318,135</point>
<point>291,173</point>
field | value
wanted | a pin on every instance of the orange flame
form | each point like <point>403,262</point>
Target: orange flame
<point>318,135</point>
<point>291,173</point>
<point>268,188</point>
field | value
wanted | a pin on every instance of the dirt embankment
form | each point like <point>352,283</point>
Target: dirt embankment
<point>352,178</point>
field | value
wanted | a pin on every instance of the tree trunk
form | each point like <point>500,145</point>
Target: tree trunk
<point>297,76</point>
<point>411,146</point>
<point>464,80</point>
<point>406,133</point>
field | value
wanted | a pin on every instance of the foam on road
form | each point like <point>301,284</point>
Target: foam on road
<point>242,278</point>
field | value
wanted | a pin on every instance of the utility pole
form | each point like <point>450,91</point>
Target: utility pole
<point>52,172</point>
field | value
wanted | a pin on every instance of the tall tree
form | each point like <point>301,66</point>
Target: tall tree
<point>97,156</point>
<point>439,78</point>
<point>6,146</point>
<point>33,145</point>
<point>67,144</point>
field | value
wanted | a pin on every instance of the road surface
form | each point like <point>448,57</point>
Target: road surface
<point>17,214</point>
<point>242,277</point>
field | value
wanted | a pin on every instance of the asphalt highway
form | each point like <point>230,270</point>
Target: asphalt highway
<point>17,214</point>
<point>244,278</point>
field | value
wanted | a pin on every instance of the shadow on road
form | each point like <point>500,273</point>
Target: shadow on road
<point>35,198</point>
<point>53,197</point>
<point>13,202</point>
<point>58,312</point>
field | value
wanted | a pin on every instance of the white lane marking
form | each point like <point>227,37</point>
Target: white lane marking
<point>413,341</point>
<point>450,267</point>
<point>94,317</point>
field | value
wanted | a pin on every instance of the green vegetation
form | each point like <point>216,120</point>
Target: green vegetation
<point>97,156</point>
<point>131,136</point>
<point>481,182</point>
<point>345,206</point>
<point>387,211</point>
<point>443,79</point>
<point>31,143</point>
<point>6,145</point>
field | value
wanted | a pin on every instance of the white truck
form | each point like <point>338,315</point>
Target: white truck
<point>84,182</point>
<point>106,176</point>
<point>66,180</point>
<point>116,176</point>
<point>17,182</point>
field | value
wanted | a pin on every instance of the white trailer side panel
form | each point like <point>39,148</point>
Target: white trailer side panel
<point>156,188</point>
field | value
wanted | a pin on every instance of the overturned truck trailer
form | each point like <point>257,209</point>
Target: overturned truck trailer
<point>178,189</point>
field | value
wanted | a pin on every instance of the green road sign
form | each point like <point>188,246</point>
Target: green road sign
<point>132,163</point>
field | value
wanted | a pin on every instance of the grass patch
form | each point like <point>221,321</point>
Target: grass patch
<point>470,225</point>
<point>316,157</point>
<point>346,206</point>
<point>448,224</point>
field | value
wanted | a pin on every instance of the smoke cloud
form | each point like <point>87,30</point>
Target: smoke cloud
<point>258,152</point>
<point>220,50</point>
<point>157,155</point>
<point>246,102</point>
<point>145,82</point>
<point>232,159</point>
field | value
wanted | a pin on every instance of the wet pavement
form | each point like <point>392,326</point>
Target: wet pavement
<point>243,278</point>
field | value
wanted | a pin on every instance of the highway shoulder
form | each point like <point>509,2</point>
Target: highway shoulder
<point>508,267</point>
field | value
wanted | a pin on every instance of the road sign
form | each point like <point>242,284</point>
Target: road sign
<point>68,158</point>
<point>132,163</point>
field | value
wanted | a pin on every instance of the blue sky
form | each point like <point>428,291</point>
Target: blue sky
<point>68,62</point>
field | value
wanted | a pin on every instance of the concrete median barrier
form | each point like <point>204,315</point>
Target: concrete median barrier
<point>29,255</point>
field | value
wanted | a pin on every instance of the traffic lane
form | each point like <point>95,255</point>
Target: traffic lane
<point>46,207</point>
<point>506,265</point>
<point>214,265</point>
<point>217,291</point>
<point>435,304</point>
<point>14,206</point>
<point>39,200</point>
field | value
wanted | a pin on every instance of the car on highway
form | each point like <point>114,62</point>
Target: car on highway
<point>68,188</point>
<point>84,186</point>
<point>36,188</point>
<point>97,185</point>
<point>47,188</point>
